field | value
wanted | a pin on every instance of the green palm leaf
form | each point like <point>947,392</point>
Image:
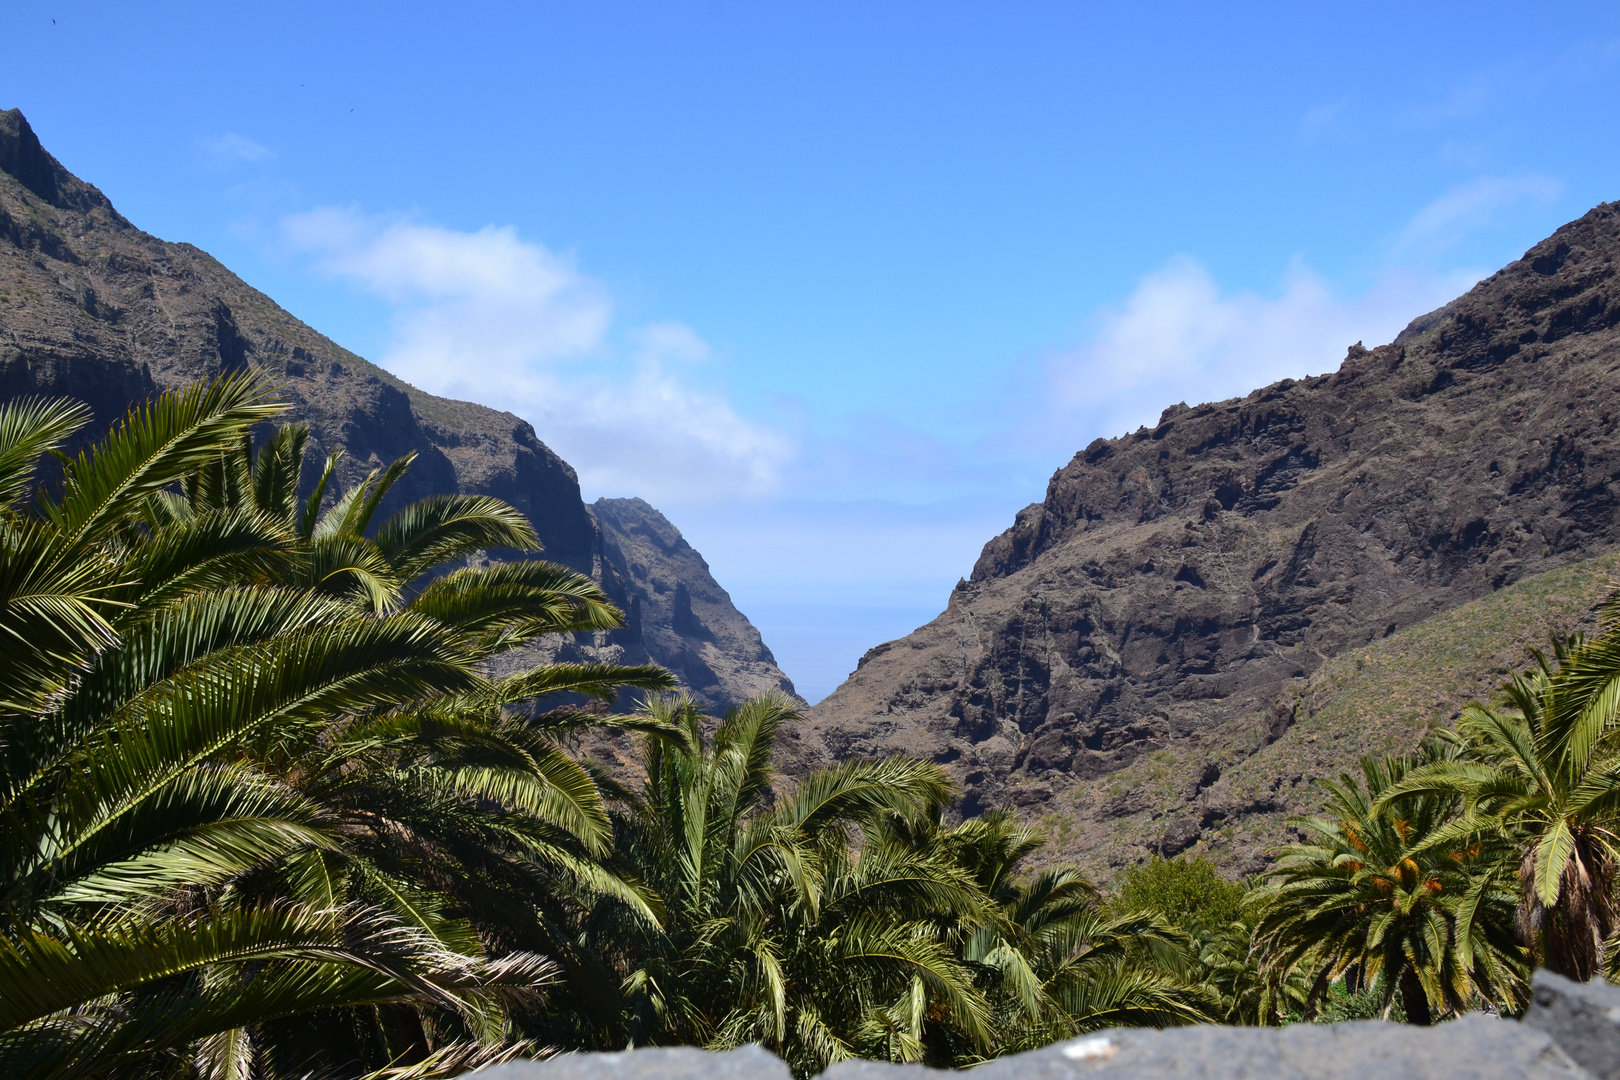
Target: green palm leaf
<point>30,428</point>
<point>442,528</point>
<point>154,447</point>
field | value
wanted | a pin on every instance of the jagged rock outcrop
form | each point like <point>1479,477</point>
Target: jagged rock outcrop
<point>681,612</point>
<point>1177,584</point>
<point>93,308</point>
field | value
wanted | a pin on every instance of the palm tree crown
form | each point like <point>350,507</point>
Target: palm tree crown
<point>241,741</point>
<point>1388,892</point>
<point>1541,775</point>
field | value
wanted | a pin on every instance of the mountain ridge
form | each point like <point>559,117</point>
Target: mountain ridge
<point>92,307</point>
<point>1184,580</point>
<point>681,610</point>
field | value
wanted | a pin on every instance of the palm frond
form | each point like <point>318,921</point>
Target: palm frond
<point>154,447</point>
<point>441,528</point>
<point>30,428</point>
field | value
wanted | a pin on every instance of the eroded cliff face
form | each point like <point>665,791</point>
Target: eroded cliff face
<point>680,610</point>
<point>1181,582</point>
<point>96,309</point>
<point>93,308</point>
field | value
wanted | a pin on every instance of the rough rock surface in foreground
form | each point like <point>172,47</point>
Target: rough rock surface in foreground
<point>92,307</point>
<point>655,1063</point>
<point>1481,1047</point>
<point>1584,1019</point>
<point>1572,1032</point>
<point>1170,597</point>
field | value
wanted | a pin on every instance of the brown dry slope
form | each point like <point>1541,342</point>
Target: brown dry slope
<point>91,307</point>
<point>1167,602</point>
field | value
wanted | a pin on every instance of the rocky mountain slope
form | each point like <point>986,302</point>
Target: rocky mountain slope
<point>680,611</point>
<point>91,307</point>
<point>1155,623</point>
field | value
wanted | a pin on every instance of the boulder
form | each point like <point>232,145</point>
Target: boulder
<point>1583,1018</point>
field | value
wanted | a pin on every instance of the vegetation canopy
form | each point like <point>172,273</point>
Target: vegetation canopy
<point>269,807</point>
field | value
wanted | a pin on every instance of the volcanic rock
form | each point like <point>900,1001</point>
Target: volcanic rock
<point>93,308</point>
<point>1154,622</point>
<point>687,620</point>
<point>1475,1047</point>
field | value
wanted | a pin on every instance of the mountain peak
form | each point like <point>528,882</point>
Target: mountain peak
<point>93,308</point>
<point>22,155</point>
<point>1148,654</point>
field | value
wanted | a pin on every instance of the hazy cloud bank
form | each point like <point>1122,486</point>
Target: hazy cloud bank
<point>494,318</point>
<point>1180,337</point>
<point>825,580</point>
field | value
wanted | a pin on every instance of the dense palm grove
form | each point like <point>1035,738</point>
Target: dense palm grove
<point>267,812</point>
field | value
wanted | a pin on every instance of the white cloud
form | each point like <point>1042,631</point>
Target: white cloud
<point>672,341</point>
<point>1178,337</point>
<point>494,318</point>
<point>655,434</point>
<point>1470,206</point>
<point>468,304</point>
<point>233,147</point>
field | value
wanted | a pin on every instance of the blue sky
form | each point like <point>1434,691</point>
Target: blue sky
<point>837,286</point>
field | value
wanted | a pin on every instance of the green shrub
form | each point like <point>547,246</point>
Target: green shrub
<point>1365,1004</point>
<point>1188,892</point>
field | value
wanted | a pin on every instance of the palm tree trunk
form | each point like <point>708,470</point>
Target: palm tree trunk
<point>1413,999</point>
<point>1570,947</point>
<point>1573,932</point>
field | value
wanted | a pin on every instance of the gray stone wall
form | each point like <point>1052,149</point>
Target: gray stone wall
<point>1571,1032</point>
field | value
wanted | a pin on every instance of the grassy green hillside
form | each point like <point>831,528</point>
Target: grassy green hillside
<point>1382,698</point>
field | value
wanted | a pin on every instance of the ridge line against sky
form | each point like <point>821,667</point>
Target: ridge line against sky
<point>489,316</point>
<point>838,287</point>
